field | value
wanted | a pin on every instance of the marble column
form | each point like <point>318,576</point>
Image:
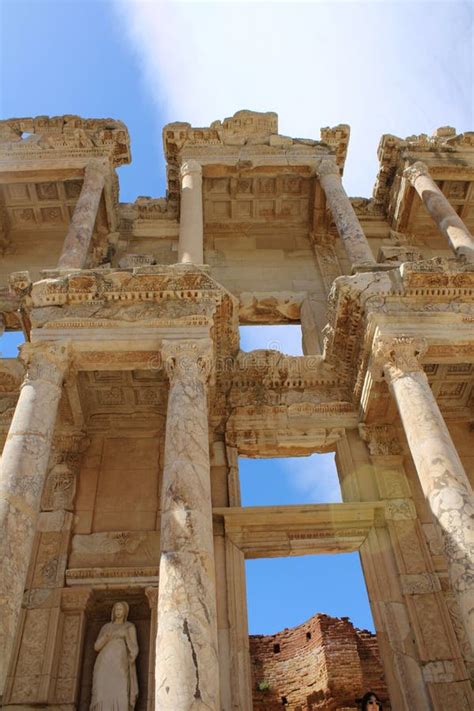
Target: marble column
<point>443,479</point>
<point>22,473</point>
<point>187,668</point>
<point>446,218</point>
<point>191,228</point>
<point>353,238</point>
<point>81,228</point>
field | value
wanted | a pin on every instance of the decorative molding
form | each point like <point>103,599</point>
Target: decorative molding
<point>382,440</point>
<point>419,583</point>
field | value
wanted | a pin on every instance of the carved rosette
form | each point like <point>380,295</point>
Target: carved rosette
<point>396,356</point>
<point>188,361</point>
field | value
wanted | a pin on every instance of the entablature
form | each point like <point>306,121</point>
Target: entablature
<point>275,531</point>
<point>449,158</point>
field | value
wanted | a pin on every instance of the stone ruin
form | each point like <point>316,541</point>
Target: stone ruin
<point>130,402</point>
<point>323,664</point>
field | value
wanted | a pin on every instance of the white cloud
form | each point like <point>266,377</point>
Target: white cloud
<point>382,67</point>
<point>315,477</point>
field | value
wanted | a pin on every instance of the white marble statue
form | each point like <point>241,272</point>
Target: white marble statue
<point>114,683</point>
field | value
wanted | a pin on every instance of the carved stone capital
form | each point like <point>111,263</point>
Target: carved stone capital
<point>187,361</point>
<point>45,361</point>
<point>382,440</point>
<point>75,599</point>
<point>189,167</point>
<point>397,356</point>
<point>414,171</point>
<point>152,595</point>
<point>328,166</point>
<point>95,166</point>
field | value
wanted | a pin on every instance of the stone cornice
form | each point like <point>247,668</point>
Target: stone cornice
<point>63,136</point>
<point>392,149</point>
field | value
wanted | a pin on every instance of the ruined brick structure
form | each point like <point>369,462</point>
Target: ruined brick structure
<point>325,663</point>
<point>125,413</point>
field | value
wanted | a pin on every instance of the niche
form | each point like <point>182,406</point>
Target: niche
<point>98,613</point>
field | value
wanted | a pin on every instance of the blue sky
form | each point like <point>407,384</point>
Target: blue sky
<point>382,67</point>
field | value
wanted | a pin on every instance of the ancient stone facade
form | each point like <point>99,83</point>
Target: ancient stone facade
<point>325,663</point>
<point>125,413</point>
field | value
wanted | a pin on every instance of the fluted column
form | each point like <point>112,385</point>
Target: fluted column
<point>187,670</point>
<point>191,229</point>
<point>440,471</point>
<point>22,472</point>
<point>446,218</point>
<point>79,234</point>
<point>348,226</point>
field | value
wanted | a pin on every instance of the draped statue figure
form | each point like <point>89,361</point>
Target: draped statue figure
<point>114,683</point>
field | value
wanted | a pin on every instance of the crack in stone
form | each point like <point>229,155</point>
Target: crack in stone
<point>197,692</point>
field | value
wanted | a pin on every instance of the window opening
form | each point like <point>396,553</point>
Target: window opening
<point>289,480</point>
<point>9,343</point>
<point>286,339</point>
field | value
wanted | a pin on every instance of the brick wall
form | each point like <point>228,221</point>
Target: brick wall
<point>325,664</point>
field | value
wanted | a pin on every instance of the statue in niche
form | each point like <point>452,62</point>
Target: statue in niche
<point>114,683</point>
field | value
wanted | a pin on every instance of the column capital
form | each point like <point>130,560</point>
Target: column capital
<point>395,356</point>
<point>328,166</point>
<point>96,165</point>
<point>189,167</point>
<point>415,170</point>
<point>75,599</point>
<point>382,440</point>
<point>152,595</point>
<point>46,361</point>
<point>188,360</point>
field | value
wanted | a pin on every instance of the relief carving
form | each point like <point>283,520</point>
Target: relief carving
<point>396,356</point>
<point>382,440</point>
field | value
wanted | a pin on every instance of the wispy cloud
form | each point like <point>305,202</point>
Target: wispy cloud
<point>314,477</point>
<point>382,67</point>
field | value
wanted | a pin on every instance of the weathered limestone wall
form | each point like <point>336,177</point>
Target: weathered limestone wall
<point>34,249</point>
<point>119,484</point>
<point>324,664</point>
<point>263,261</point>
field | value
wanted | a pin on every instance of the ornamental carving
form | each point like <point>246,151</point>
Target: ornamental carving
<point>187,361</point>
<point>397,356</point>
<point>28,138</point>
<point>416,170</point>
<point>382,440</point>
